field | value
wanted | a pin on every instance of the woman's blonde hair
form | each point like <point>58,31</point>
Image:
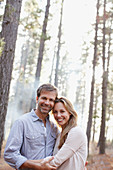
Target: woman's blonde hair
<point>72,120</point>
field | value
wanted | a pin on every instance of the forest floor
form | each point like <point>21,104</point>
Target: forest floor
<point>95,161</point>
<point>98,161</point>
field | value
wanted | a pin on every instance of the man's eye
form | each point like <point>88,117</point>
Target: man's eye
<point>54,112</point>
<point>44,98</point>
<point>51,100</point>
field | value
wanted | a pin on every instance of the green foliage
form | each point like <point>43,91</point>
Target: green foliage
<point>85,53</point>
<point>1,18</point>
<point>30,21</point>
<point>2,43</point>
<point>10,10</point>
<point>45,37</point>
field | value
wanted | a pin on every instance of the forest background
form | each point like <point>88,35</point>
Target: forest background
<point>68,44</point>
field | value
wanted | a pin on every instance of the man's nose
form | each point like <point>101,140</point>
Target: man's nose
<point>47,102</point>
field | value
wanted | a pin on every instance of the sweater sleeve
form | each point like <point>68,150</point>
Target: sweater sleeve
<point>75,139</point>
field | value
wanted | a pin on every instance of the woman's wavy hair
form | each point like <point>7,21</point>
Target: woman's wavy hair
<point>72,120</point>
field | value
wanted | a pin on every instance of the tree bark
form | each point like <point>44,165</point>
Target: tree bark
<point>59,46</point>
<point>41,51</point>
<point>89,124</point>
<point>42,42</point>
<point>9,35</point>
<point>104,89</point>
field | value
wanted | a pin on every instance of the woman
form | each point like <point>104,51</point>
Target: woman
<point>70,152</point>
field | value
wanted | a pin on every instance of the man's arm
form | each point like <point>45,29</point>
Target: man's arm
<point>38,164</point>
<point>12,153</point>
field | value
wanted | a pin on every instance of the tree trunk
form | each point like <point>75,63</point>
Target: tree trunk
<point>50,80</point>
<point>42,42</point>
<point>104,89</point>
<point>59,46</point>
<point>95,115</point>
<point>89,124</point>
<point>41,51</point>
<point>9,35</point>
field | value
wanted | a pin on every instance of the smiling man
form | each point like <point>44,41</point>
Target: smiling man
<point>33,136</point>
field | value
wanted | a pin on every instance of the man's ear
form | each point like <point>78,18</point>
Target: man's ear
<point>37,99</point>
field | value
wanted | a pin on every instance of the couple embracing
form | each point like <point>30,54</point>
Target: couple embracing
<point>35,143</point>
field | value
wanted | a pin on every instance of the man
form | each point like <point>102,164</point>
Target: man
<point>33,136</point>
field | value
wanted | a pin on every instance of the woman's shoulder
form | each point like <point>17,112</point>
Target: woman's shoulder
<point>76,137</point>
<point>77,130</point>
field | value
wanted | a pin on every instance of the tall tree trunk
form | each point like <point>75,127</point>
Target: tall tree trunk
<point>42,42</point>
<point>89,124</point>
<point>50,80</point>
<point>9,35</point>
<point>59,46</point>
<point>109,46</point>
<point>95,115</point>
<point>104,88</point>
<point>41,51</point>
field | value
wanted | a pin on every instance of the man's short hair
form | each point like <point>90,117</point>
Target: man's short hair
<point>47,87</point>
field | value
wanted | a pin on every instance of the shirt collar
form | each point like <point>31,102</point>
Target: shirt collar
<point>35,117</point>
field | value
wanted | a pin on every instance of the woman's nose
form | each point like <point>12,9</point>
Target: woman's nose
<point>58,114</point>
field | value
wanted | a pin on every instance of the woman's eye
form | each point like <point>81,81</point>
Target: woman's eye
<point>62,111</point>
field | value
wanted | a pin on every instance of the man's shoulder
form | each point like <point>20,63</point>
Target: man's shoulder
<point>24,117</point>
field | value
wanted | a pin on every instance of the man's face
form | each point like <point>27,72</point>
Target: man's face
<point>46,101</point>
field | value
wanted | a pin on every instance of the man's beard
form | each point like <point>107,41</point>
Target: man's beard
<point>44,111</point>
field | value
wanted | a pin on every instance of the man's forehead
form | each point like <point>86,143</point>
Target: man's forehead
<point>45,92</point>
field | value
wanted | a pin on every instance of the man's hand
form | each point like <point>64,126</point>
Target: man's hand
<point>38,164</point>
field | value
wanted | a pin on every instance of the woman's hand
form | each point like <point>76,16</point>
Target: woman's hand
<point>45,164</point>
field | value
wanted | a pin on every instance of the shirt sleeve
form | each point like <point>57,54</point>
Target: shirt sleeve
<point>12,153</point>
<point>75,139</point>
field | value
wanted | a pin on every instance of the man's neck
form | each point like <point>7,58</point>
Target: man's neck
<point>41,116</point>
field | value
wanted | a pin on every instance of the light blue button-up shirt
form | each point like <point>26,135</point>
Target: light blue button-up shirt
<point>28,139</point>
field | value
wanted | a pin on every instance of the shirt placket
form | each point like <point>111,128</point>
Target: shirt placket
<point>44,132</point>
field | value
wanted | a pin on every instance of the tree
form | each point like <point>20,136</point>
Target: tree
<point>41,51</point>
<point>59,46</point>
<point>50,79</point>
<point>104,84</point>
<point>42,43</point>
<point>30,28</point>
<point>89,124</point>
<point>95,115</point>
<point>9,36</point>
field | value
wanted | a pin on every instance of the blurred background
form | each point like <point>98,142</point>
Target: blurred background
<point>68,44</point>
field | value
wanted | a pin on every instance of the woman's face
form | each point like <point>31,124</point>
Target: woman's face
<point>61,115</point>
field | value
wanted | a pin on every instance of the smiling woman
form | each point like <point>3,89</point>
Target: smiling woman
<point>70,151</point>
<point>61,115</point>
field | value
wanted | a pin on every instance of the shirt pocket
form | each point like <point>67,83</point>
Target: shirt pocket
<point>35,139</point>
